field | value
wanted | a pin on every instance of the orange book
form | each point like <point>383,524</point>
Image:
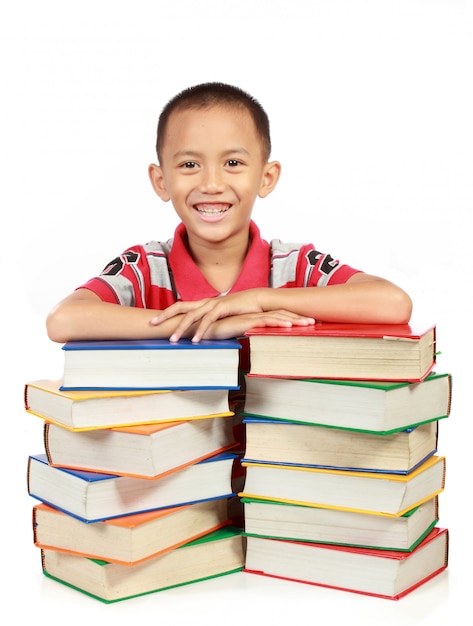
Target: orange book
<point>130,539</point>
<point>144,451</point>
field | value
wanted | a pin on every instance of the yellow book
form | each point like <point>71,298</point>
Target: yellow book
<point>379,493</point>
<point>94,409</point>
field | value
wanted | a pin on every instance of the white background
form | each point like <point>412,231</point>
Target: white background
<point>370,104</point>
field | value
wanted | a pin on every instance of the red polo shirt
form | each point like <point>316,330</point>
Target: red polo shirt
<point>160,273</point>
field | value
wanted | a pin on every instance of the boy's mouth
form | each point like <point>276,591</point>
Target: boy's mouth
<point>212,210</point>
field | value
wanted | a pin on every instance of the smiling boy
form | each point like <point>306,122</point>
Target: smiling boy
<point>217,277</point>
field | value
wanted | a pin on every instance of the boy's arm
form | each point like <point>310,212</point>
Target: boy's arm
<point>84,316</point>
<point>362,299</point>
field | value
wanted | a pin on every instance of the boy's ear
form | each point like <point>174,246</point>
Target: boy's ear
<point>270,178</point>
<point>156,177</point>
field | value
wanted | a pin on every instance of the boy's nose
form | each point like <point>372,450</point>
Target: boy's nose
<point>212,180</point>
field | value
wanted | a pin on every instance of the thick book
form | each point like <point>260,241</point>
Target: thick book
<point>131,539</point>
<point>345,351</point>
<point>216,554</point>
<point>264,518</point>
<point>151,364</point>
<point>144,451</point>
<point>370,492</point>
<point>86,410</point>
<point>381,573</point>
<point>372,406</point>
<point>92,496</point>
<point>269,441</point>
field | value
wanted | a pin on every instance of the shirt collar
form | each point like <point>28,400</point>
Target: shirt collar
<point>191,284</point>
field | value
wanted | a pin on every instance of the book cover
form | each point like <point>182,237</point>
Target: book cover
<point>358,470</point>
<point>336,329</point>
<point>153,344</point>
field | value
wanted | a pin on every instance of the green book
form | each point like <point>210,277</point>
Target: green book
<point>292,522</point>
<point>369,406</point>
<point>216,554</point>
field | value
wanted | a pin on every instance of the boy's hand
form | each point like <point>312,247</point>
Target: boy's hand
<point>243,306</point>
<point>237,325</point>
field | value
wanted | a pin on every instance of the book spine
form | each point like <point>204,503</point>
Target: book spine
<point>35,525</point>
<point>43,560</point>
<point>449,404</point>
<point>46,441</point>
<point>444,463</point>
<point>28,475</point>
<point>25,397</point>
<point>447,547</point>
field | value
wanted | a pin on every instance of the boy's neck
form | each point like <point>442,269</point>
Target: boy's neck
<point>221,264</point>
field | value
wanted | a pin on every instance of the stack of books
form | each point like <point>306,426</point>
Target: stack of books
<point>343,474</point>
<point>137,474</point>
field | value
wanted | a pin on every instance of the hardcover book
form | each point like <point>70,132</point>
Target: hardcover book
<point>265,518</point>
<point>86,410</point>
<point>377,492</point>
<point>371,406</point>
<point>151,364</point>
<point>215,554</point>
<point>92,496</point>
<point>381,573</point>
<point>345,351</point>
<point>144,451</point>
<point>282,442</point>
<point>130,539</point>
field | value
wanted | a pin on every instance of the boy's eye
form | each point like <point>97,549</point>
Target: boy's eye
<point>189,164</point>
<point>233,162</point>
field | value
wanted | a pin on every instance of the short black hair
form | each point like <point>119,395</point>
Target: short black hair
<point>211,94</point>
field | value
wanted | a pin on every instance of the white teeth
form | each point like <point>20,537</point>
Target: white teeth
<point>212,211</point>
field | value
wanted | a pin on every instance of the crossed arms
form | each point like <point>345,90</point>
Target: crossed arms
<point>362,299</point>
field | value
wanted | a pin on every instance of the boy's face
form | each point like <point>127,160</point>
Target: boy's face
<point>213,169</point>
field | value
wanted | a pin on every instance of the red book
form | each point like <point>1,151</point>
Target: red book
<point>383,573</point>
<point>344,351</point>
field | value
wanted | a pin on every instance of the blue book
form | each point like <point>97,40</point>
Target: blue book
<point>93,496</point>
<point>151,364</point>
